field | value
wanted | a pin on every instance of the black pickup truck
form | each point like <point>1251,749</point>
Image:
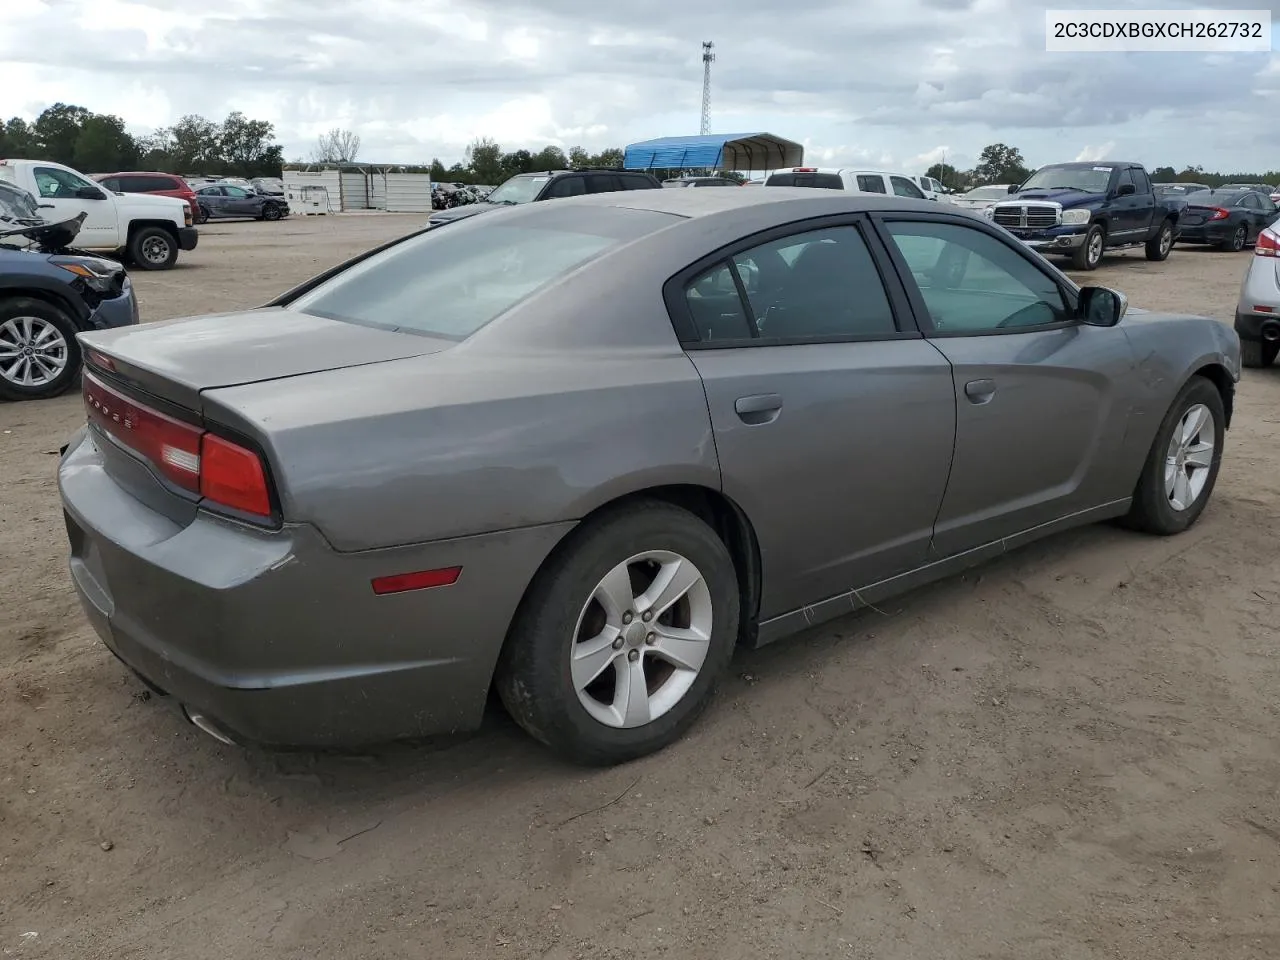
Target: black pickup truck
<point>1081,209</point>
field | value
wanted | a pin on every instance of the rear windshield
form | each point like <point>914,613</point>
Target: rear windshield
<point>823,181</point>
<point>450,281</point>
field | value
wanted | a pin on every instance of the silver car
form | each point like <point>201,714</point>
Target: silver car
<point>1258,311</point>
<point>580,451</point>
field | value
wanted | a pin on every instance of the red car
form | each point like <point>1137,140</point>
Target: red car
<point>162,184</point>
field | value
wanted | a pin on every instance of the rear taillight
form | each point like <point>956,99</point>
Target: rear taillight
<point>1219,213</point>
<point>222,472</point>
<point>1268,244</point>
<point>233,476</point>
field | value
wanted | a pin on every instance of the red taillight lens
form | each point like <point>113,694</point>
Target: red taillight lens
<point>1268,244</point>
<point>233,476</point>
<point>1219,213</point>
<point>224,473</point>
<point>173,446</point>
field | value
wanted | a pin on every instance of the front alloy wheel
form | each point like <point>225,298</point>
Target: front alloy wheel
<point>619,642</point>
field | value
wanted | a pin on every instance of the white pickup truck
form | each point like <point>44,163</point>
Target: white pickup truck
<point>148,229</point>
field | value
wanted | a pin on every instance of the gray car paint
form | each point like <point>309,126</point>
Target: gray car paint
<point>391,452</point>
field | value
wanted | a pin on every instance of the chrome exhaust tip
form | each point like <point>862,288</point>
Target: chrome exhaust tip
<point>201,722</point>
<point>1271,331</point>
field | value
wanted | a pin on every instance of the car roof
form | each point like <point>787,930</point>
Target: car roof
<point>139,173</point>
<point>706,203</point>
<point>1094,163</point>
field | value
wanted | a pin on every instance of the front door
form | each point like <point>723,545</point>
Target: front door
<point>1041,399</point>
<point>61,189</point>
<point>832,423</point>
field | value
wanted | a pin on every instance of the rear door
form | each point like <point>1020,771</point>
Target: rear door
<point>1041,400</point>
<point>242,203</point>
<point>214,199</point>
<point>833,418</point>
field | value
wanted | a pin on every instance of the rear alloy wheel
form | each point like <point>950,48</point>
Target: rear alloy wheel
<point>1182,466</point>
<point>1237,240</point>
<point>153,248</point>
<point>1089,254</point>
<point>39,355</point>
<point>203,215</point>
<point>623,635</point>
<point>1158,247</point>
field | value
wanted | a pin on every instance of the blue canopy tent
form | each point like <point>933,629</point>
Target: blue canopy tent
<point>730,151</point>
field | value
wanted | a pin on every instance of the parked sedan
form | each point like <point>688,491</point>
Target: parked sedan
<point>1258,309</point>
<point>222,201</point>
<point>1229,219</point>
<point>580,451</point>
<point>45,301</point>
<point>982,198</point>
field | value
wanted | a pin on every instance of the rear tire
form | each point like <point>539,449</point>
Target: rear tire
<point>203,216</point>
<point>1258,354</point>
<point>1160,500</point>
<point>1158,247</point>
<point>567,679</point>
<point>52,334</point>
<point>153,248</point>
<point>1236,242</point>
<point>1088,255</point>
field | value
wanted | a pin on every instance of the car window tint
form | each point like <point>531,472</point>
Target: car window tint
<point>603,183</point>
<point>819,181</point>
<point>972,282</point>
<point>566,187</point>
<point>1250,200</point>
<point>112,184</point>
<point>55,184</point>
<point>821,283</point>
<point>716,308</point>
<point>450,283</point>
<point>871,183</point>
<point>1123,178</point>
<point>1140,181</point>
<point>905,188</point>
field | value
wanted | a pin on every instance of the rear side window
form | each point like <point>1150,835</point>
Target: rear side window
<point>637,182</point>
<point>566,187</point>
<point>450,283</point>
<point>871,183</point>
<point>822,181</point>
<point>603,183</point>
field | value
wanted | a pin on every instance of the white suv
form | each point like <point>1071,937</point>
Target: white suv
<point>846,178</point>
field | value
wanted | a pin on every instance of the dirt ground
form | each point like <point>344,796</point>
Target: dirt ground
<point>1069,755</point>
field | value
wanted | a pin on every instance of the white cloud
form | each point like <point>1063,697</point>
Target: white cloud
<point>1102,152</point>
<point>877,83</point>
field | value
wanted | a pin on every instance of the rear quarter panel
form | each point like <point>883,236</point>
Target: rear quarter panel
<point>1169,350</point>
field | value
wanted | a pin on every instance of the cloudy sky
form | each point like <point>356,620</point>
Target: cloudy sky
<point>896,83</point>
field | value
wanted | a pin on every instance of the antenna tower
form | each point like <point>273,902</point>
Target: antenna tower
<point>708,58</point>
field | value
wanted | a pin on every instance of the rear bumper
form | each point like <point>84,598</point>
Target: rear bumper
<point>1206,233</point>
<point>278,639</point>
<point>1250,326</point>
<point>188,237</point>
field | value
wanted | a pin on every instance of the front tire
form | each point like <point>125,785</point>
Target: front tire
<point>1088,255</point>
<point>39,353</point>
<point>271,211</point>
<point>618,645</point>
<point>1182,466</point>
<point>153,248</point>
<point>1158,247</point>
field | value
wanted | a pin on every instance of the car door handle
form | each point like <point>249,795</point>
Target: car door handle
<point>980,391</point>
<point>761,408</point>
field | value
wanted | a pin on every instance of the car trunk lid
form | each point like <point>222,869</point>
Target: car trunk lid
<point>175,360</point>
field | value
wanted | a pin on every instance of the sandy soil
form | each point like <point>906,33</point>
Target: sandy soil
<point>1069,754</point>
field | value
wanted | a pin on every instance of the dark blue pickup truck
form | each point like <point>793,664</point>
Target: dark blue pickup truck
<point>1080,210</point>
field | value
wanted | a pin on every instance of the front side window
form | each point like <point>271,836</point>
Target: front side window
<point>566,187</point>
<point>55,184</point>
<point>450,283</point>
<point>238,193</point>
<point>812,285</point>
<point>973,283</point>
<point>905,188</point>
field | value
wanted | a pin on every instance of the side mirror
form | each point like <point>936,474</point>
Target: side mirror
<point>1126,190</point>
<point>1101,306</point>
<point>1014,187</point>
<point>89,193</point>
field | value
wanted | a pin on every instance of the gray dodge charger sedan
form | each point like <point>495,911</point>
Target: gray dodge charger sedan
<point>579,451</point>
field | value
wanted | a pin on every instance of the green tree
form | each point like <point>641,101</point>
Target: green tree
<point>518,161</point>
<point>578,158</point>
<point>57,129</point>
<point>246,146</point>
<point>947,175</point>
<point>194,145</point>
<point>104,145</point>
<point>1164,175</point>
<point>438,171</point>
<point>18,140</point>
<point>549,158</point>
<point>484,160</point>
<point>999,163</point>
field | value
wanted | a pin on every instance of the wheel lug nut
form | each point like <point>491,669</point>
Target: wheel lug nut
<point>617,643</point>
<point>651,639</point>
<point>628,617</point>
<point>633,655</point>
<point>648,615</point>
